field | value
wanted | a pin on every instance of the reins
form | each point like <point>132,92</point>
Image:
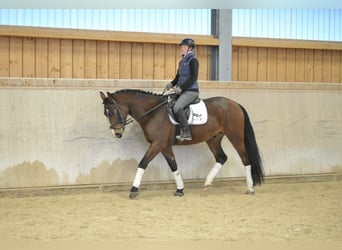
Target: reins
<point>130,120</point>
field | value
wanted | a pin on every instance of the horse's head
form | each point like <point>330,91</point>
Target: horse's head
<point>114,113</point>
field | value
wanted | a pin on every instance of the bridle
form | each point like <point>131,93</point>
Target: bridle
<point>120,113</point>
<point>109,114</point>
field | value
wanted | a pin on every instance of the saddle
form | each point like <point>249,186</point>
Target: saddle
<point>196,112</point>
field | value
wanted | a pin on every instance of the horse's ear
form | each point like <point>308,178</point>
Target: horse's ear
<point>109,96</point>
<point>103,96</point>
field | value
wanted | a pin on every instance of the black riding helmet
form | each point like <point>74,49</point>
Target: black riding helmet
<point>188,42</point>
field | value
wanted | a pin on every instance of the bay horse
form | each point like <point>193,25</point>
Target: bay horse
<point>225,118</point>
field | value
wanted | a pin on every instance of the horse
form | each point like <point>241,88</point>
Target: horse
<point>225,118</point>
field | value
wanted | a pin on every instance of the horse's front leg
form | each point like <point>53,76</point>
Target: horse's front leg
<point>152,151</point>
<point>170,158</point>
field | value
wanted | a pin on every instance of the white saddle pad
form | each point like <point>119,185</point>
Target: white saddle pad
<point>198,114</point>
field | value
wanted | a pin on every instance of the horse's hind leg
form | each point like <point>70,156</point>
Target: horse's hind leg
<point>170,158</point>
<point>239,146</point>
<point>215,146</point>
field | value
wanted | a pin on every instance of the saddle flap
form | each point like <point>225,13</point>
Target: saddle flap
<point>198,114</point>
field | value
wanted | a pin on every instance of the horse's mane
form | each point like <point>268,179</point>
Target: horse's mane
<point>140,92</point>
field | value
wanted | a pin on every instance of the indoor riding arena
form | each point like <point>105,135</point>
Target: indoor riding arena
<point>63,176</point>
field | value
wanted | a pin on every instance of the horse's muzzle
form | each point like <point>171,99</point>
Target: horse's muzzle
<point>117,132</point>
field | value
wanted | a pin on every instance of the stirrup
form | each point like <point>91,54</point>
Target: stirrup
<point>188,138</point>
<point>181,137</point>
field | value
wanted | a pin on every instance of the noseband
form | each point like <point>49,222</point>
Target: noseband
<point>121,120</point>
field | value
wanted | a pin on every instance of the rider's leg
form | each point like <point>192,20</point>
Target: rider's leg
<point>185,130</point>
<point>184,100</point>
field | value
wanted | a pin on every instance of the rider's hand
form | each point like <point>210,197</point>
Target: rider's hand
<point>169,86</point>
<point>178,90</point>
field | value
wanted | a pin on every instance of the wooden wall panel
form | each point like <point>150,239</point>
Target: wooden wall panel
<point>29,64</point>
<point>171,64</point>
<point>252,64</point>
<point>281,65</point>
<point>203,56</point>
<point>300,65</point>
<point>336,67</point>
<point>308,65</point>
<point>78,58</point>
<point>90,59</point>
<point>66,58</point>
<point>243,60</point>
<point>114,60</point>
<point>291,65</point>
<point>318,66</point>
<point>326,66</point>
<point>54,58</point>
<point>16,57</point>
<point>178,56</point>
<point>29,52</point>
<point>235,63</point>
<point>159,61</point>
<point>41,57</point>
<point>137,60</point>
<point>4,55</point>
<point>262,64</point>
<point>340,66</point>
<point>102,60</point>
<point>126,60</point>
<point>148,61</point>
<point>271,64</point>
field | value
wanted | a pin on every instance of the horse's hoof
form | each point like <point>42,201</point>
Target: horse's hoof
<point>206,187</point>
<point>134,193</point>
<point>250,192</point>
<point>179,193</point>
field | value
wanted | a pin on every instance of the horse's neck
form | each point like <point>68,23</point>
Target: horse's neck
<point>138,106</point>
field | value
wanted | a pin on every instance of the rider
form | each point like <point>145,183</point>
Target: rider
<point>185,85</point>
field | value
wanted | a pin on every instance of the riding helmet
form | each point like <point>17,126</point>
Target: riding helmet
<point>188,42</point>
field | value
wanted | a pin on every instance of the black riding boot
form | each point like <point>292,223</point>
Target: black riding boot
<point>185,130</point>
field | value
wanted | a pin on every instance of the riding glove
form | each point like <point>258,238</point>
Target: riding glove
<point>178,90</point>
<point>169,86</point>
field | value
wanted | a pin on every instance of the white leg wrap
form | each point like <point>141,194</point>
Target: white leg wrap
<point>138,177</point>
<point>212,174</point>
<point>249,179</point>
<point>178,179</point>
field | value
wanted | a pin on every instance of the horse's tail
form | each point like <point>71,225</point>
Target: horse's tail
<point>253,151</point>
